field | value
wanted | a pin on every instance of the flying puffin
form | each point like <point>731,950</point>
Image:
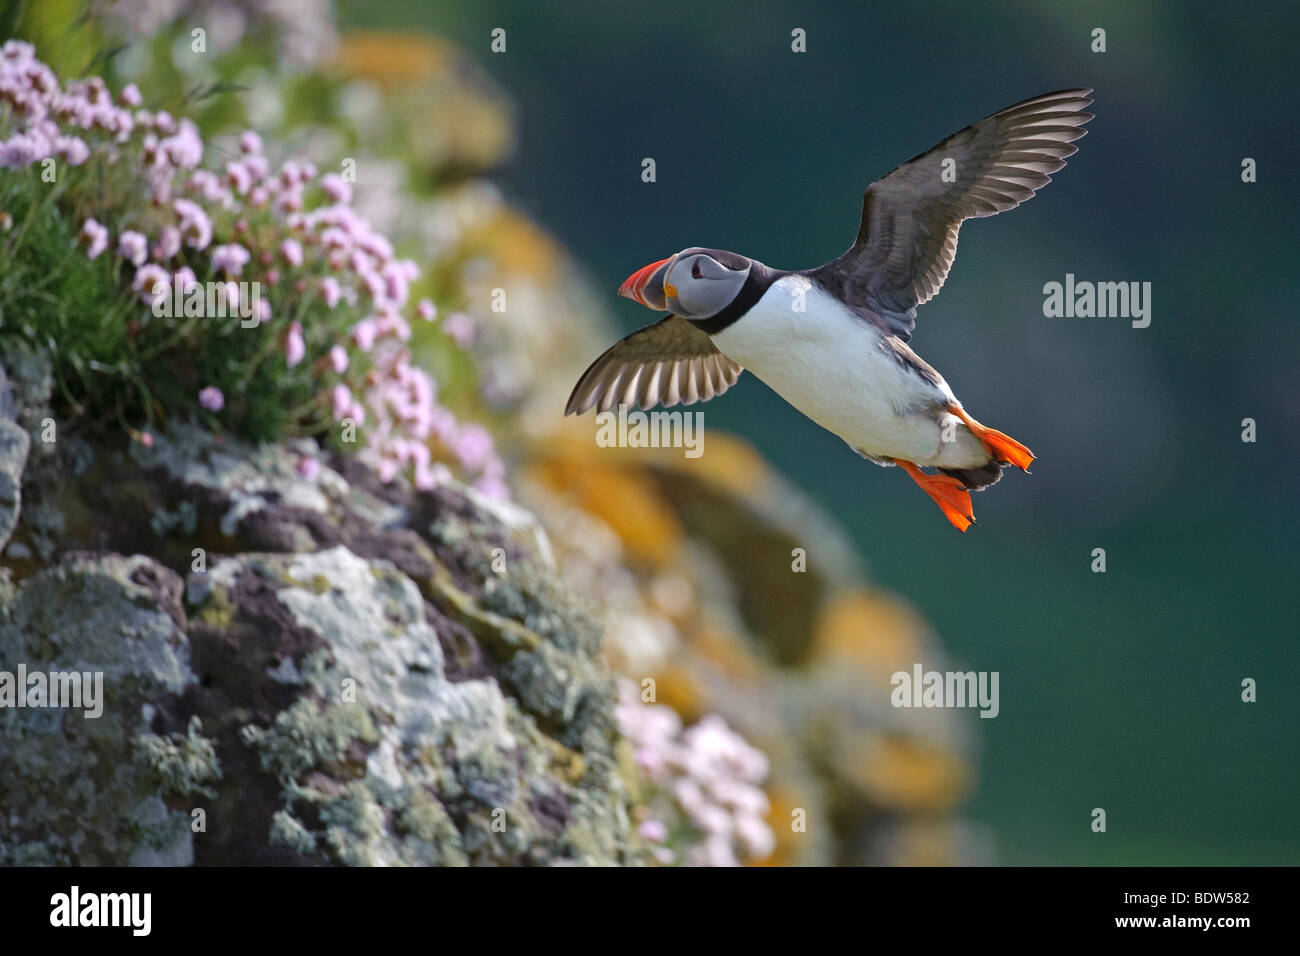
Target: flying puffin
<point>832,341</point>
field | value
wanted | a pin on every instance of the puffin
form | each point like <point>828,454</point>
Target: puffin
<point>833,340</point>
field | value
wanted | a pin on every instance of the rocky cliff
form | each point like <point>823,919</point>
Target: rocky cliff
<point>300,664</point>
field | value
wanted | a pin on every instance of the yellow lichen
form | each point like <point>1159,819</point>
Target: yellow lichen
<point>393,60</point>
<point>628,502</point>
<point>873,630</point>
<point>907,775</point>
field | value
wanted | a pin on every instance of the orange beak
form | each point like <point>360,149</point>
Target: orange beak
<point>646,285</point>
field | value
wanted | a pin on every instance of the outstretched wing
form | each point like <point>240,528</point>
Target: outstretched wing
<point>667,363</point>
<point>910,218</point>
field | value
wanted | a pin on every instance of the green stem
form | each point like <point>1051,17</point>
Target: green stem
<point>187,326</point>
<point>17,236</point>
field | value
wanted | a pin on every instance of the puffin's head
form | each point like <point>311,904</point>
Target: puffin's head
<point>695,283</point>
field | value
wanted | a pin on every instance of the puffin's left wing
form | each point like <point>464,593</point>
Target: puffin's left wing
<point>667,363</point>
<point>910,217</point>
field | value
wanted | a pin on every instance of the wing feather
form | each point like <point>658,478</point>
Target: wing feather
<point>910,218</point>
<point>668,363</point>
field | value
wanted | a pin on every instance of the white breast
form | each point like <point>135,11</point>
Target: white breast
<point>830,364</point>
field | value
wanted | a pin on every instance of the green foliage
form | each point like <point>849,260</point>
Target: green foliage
<point>53,296</point>
<point>113,359</point>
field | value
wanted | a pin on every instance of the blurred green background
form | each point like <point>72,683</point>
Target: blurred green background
<point>1119,690</point>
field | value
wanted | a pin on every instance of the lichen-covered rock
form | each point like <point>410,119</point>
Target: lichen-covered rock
<point>19,401</point>
<point>382,741</point>
<point>92,784</point>
<point>360,674</point>
<point>13,457</point>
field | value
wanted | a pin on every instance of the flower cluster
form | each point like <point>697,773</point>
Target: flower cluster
<point>326,286</point>
<point>710,777</point>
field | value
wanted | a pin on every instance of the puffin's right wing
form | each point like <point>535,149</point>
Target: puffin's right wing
<point>910,217</point>
<point>667,363</point>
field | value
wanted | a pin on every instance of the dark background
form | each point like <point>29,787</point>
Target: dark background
<point>1119,690</point>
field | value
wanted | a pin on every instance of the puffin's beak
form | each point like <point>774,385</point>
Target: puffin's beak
<point>647,285</point>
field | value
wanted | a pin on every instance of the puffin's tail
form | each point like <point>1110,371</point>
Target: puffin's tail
<point>977,479</point>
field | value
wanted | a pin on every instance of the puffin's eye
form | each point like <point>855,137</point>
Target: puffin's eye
<point>695,270</point>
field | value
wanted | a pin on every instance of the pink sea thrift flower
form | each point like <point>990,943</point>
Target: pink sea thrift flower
<point>168,243</point>
<point>195,225</point>
<point>461,328</point>
<point>492,488</point>
<point>184,278</point>
<point>185,149</point>
<point>241,180</point>
<point>153,282</point>
<point>133,247</point>
<point>473,446</point>
<point>396,283</point>
<point>257,167</point>
<point>207,186</point>
<point>711,773</point>
<point>341,396</point>
<point>339,359</point>
<point>336,188</point>
<point>364,333</point>
<point>330,291</point>
<point>291,249</point>
<point>96,238</point>
<point>335,238</point>
<point>653,830</point>
<point>230,258</point>
<point>290,201</point>
<point>391,322</point>
<point>73,150</point>
<point>212,399</point>
<point>295,349</point>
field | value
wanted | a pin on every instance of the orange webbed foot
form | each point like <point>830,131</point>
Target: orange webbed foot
<point>947,492</point>
<point>1002,447</point>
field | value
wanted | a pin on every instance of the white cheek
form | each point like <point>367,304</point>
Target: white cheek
<point>696,297</point>
<point>710,296</point>
<point>688,299</point>
<point>679,296</point>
